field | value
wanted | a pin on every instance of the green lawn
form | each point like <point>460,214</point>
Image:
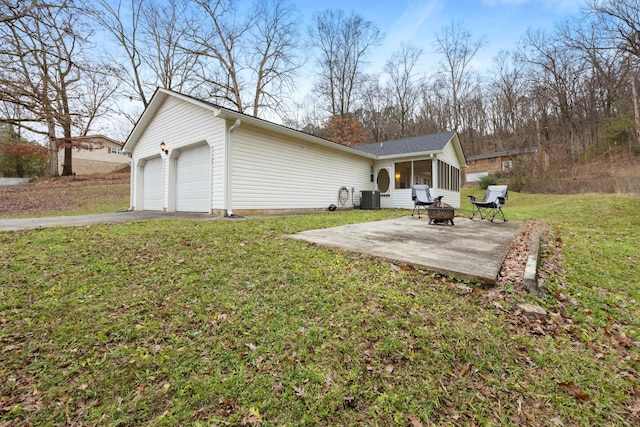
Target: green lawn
<point>232,323</point>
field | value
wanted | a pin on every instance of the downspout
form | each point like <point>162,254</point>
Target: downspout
<point>133,175</point>
<point>228,163</point>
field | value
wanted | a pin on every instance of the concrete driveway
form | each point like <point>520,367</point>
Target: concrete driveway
<point>81,220</point>
<point>472,250</point>
<point>13,182</point>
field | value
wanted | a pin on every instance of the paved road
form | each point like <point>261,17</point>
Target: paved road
<point>12,182</point>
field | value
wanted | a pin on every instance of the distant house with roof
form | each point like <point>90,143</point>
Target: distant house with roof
<point>94,155</point>
<point>193,156</point>
<point>499,162</point>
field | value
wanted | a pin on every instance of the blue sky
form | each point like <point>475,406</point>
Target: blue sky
<point>501,22</point>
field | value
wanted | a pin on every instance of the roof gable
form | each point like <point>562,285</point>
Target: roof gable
<point>224,113</point>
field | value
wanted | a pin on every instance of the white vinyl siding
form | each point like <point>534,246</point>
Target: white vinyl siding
<point>448,156</point>
<point>178,124</point>
<point>275,172</point>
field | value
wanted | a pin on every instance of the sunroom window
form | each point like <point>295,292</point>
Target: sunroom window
<point>412,172</point>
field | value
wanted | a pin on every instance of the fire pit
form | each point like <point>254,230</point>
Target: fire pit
<point>441,213</point>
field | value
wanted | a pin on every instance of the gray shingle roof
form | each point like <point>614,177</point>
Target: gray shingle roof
<point>515,152</point>
<point>415,144</point>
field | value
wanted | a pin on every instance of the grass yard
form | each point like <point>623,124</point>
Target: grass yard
<point>66,196</point>
<point>232,323</point>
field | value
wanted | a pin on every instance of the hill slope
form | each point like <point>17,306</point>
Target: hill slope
<point>67,196</point>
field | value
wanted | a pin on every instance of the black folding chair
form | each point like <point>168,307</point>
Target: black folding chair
<point>491,206</point>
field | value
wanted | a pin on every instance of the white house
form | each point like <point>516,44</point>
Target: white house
<point>192,156</point>
<point>94,154</point>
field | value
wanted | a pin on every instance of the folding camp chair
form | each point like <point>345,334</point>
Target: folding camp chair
<point>491,205</point>
<point>422,197</point>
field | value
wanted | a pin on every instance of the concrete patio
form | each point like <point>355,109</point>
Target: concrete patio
<point>472,250</point>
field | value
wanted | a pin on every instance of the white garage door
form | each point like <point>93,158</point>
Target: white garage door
<point>193,177</point>
<point>152,185</point>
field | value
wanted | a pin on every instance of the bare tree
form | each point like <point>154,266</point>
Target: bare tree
<point>171,65</point>
<point>343,43</point>
<point>455,44</point>
<point>508,92</point>
<point>40,70</point>
<point>123,20</point>
<point>620,20</point>
<point>12,10</point>
<point>95,96</point>
<point>248,60</point>
<point>555,74</point>
<point>272,58</point>
<point>403,85</point>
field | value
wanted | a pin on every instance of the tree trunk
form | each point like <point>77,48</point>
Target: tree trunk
<point>636,103</point>
<point>53,149</point>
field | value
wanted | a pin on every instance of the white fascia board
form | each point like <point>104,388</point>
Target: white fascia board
<point>410,155</point>
<point>232,115</point>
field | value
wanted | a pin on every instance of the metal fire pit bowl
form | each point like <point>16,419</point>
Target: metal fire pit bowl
<point>441,213</point>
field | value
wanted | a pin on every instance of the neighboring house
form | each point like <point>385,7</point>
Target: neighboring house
<point>497,162</point>
<point>94,155</point>
<point>190,155</point>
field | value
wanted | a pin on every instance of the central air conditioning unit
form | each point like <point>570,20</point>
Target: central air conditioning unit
<point>370,199</point>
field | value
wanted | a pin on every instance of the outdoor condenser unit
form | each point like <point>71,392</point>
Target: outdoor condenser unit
<point>370,199</point>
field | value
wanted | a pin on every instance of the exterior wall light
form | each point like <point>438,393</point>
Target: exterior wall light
<point>164,148</point>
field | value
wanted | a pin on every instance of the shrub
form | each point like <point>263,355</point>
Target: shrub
<point>488,180</point>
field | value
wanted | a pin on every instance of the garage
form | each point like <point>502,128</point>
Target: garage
<point>153,185</point>
<point>193,180</point>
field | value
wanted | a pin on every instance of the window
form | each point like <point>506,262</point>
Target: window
<point>413,172</point>
<point>492,159</point>
<point>507,165</point>
<point>422,172</point>
<point>448,176</point>
<point>114,150</point>
<point>383,180</point>
<point>403,175</point>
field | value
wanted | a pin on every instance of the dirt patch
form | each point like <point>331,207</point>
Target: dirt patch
<point>512,270</point>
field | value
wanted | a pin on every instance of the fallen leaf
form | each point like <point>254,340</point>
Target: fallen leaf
<point>556,422</point>
<point>224,401</point>
<point>407,267</point>
<point>11,347</point>
<point>574,390</point>
<point>277,387</point>
<point>254,418</point>
<point>299,391</point>
<point>349,402</point>
<point>415,421</point>
<point>624,340</point>
<point>465,369</point>
<point>389,369</point>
